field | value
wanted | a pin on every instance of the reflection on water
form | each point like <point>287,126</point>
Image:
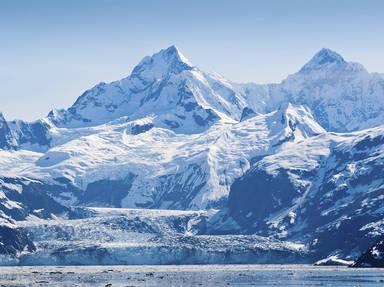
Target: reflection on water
<point>191,275</point>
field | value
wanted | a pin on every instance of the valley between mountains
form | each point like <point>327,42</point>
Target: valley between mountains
<point>174,165</point>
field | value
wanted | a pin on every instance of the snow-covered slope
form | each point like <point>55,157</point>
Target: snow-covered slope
<point>35,136</point>
<point>171,136</point>
<point>326,190</point>
<point>7,140</point>
<point>113,166</point>
<point>32,136</point>
<point>342,95</point>
<point>19,199</point>
<point>167,87</point>
<point>166,90</point>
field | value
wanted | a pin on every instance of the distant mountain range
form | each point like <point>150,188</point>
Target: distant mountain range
<point>295,168</point>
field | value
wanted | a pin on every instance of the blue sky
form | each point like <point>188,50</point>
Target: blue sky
<point>51,51</point>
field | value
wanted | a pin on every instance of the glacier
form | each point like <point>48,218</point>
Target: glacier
<point>172,164</point>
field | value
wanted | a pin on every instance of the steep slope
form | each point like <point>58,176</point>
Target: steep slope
<point>32,135</point>
<point>21,198</point>
<point>326,190</point>
<point>165,86</point>
<point>13,243</point>
<point>7,140</point>
<point>157,168</point>
<point>24,135</point>
<point>168,91</point>
<point>171,136</point>
<point>342,95</point>
<point>373,257</point>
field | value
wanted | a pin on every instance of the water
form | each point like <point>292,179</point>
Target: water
<point>191,275</point>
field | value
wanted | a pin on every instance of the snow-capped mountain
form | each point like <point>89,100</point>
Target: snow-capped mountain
<point>238,159</point>
<point>113,166</point>
<point>32,136</point>
<point>166,88</point>
<point>326,190</point>
<point>342,95</point>
<point>24,135</point>
<point>7,140</point>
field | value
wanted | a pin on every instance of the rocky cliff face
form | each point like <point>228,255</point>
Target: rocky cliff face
<point>7,140</point>
<point>326,190</point>
<point>373,257</point>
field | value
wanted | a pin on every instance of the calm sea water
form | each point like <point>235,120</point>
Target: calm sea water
<point>191,275</point>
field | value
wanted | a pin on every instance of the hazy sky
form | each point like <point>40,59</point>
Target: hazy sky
<point>51,51</point>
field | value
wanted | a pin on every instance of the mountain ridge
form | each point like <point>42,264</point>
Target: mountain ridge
<point>101,103</point>
<point>258,159</point>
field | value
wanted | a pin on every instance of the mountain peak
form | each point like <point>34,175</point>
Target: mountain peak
<point>166,61</point>
<point>7,140</point>
<point>323,58</point>
<point>173,51</point>
<point>328,56</point>
<point>298,116</point>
